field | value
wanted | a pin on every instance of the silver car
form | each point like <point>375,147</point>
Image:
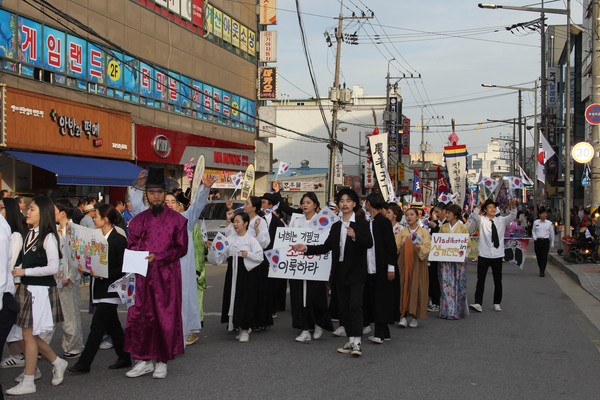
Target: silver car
<point>214,216</point>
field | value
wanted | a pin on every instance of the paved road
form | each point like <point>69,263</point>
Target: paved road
<point>541,346</point>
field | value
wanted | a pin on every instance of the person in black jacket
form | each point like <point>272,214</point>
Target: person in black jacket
<point>277,288</point>
<point>348,241</point>
<point>379,297</point>
<point>105,317</point>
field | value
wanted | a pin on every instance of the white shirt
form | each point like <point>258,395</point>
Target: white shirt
<point>371,259</point>
<point>543,230</point>
<point>486,247</point>
<point>105,300</point>
<point>263,231</point>
<point>344,234</point>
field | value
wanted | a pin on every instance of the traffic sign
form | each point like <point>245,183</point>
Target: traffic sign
<point>582,152</point>
<point>592,114</point>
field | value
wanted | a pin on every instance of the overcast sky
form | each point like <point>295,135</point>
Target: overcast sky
<point>453,44</point>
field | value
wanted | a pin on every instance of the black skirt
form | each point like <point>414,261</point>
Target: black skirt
<point>246,291</point>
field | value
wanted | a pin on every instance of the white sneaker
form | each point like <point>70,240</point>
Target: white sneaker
<point>36,376</point>
<point>237,337</point>
<point>141,368</point>
<point>58,372</point>
<point>304,337</point>
<point>403,323</point>
<point>106,343</point>
<point>318,332</point>
<point>21,388</point>
<point>13,362</point>
<point>341,331</point>
<point>497,307</point>
<point>160,372</point>
<point>375,339</point>
<point>413,323</point>
<point>244,336</point>
<point>476,307</point>
<point>346,349</point>
<point>366,330</point>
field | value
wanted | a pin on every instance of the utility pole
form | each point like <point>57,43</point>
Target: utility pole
<point>339,98</point>
<point>596,99</point>
<point>567,150</point>
<point>422,146</point>
<point>520,133</point>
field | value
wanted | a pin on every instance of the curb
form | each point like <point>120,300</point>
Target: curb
<point>575,273</point>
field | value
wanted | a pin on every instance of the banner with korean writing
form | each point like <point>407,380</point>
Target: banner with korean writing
<point>456,164</point>
<point>95,64</point>
<point>235,33</point>
<point>207,100</point>
<point>251,42</point>
<point>30,42</point>
<point>218,23</point>
<point>267,83</point>
<point>76,57</point>
<point>285,263</point>
<point>209,18</point>
<point>226,28</point>
<point>379,148</point>
<point>267,12</point>
<point>302,186</point>
<point>449,247</point>
<point>88,250</point>
<point>243,38</point>
<point>114,69</point>
<point>54,49</point>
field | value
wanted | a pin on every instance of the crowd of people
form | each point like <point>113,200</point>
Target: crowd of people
<point>380,273</point>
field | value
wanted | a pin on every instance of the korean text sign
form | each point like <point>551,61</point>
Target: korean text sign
<point>285,263</point>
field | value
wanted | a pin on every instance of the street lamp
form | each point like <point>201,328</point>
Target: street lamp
<point>536,134</point>
<point>567,12</point>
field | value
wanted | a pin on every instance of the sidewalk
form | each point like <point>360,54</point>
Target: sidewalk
<point>586,274</point>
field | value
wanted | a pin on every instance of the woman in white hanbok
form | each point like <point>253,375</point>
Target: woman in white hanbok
<point>243,253</point>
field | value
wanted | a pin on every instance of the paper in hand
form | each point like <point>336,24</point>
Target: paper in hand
<point>135,261</point>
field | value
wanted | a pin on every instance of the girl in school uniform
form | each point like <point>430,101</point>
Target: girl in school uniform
<point>105,317</point>
<point>240,292</point>
<point>37,295</point>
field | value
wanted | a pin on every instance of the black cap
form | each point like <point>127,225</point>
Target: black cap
<point>156,178</point>
<point>271,198</point>
<point>487,203</point>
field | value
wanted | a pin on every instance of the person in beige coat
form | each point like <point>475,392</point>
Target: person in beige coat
<point>414,245</point>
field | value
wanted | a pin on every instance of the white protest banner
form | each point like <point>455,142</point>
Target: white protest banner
<point>449,247</point>
<point>88,250</point>
<point>248,182</point>
<point>285,263</point>
<point>379,145</point>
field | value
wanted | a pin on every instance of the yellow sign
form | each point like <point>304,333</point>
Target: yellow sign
<point>114,70</point>
<point>582,152</point>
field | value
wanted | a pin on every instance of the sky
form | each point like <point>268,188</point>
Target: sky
<point>454,46</point>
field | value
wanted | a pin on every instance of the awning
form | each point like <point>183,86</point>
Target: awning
<point>89,171</point>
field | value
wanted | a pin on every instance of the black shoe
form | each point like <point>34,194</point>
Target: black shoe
<point>542,274</point>
<point>120,364</point>
<point>79,369</point>
<point>71,355</point>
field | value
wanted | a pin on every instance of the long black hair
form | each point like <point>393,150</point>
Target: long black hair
<point>14,216</point>
<point>47,223</point>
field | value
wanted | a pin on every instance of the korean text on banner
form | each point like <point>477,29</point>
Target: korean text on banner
<point>88,250</point>
<point>285,263</point>
<point>449,247</point>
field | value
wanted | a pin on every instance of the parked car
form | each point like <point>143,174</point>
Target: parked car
<point>214,216</point>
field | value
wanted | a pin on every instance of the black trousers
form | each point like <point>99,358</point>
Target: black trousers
<point>372,311</point>
<point>105,319</point>
<point>542,247</point>
<point>483,264</point>
<point>434,283</point>
<point>350,301</point>
<point>8,316</point>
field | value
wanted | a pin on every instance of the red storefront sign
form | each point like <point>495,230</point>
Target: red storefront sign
<point>165,146</point>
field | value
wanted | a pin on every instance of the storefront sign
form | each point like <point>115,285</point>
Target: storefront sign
<point>267,83</point>
<point>180,147</point>
<point>302,186</point>
<point>38,122</point>
<point>161,146</point>
<point>268,46</point>
<point>268,12</point>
